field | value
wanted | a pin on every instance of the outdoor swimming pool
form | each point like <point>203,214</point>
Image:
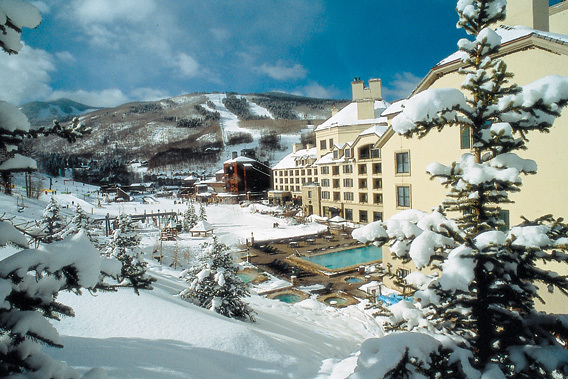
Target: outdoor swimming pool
<point>346,258</point>
<point>289,298</point>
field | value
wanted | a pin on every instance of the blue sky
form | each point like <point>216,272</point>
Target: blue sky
<point>108,52</point>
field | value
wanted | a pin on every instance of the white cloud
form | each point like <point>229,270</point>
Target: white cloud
<point>65,57</point>
<point>25,76</point>
<point>220,34</point>
<point>281,71</point>
<point>401,87</point>
<point>149,94</point>
<point>104,98</point>
<point>110,11</point>
<point>318,91</point>
<point>110,97</point>
<point>187,65</point>
<point>42,6</point>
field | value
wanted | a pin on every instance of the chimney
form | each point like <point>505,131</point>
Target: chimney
<point>296,147</point>
<point>531,13</point>
<point>375,87</point>
<point>358,89</point>
<point>334,111</point>
<point>235,155</point>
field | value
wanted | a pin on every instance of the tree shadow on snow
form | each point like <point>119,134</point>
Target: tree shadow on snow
<point>140,358</point>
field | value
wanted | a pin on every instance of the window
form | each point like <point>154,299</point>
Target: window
<point>362,183</point>
<point>377,216</point>
<point>363,216</point>
<point>336,196</point>
<point>297,188</point>
<point>335,154</point>
<point>362,169</point>
<point>378,183</point>
<point>309,171</point>
<point>297,172</point>
<point>347,182</point>
<point>331,143</point>
<point>335,183</point>
<point>377,168</point>
<point>348,196</point>
<point>365,152</point>
<point>347,169</point>
<point>325,195</point>
<point>375,153</point>
<point>465,137</point>
<point>402,163</point>
<point>303,172</point>
<point>335,170</point>
<point>309,194</point>
<point>323,145</point>
<point>349,214</point>
<point>378,198</point>
<point>286,180</point>
<point>363,198</point>
<point>297,180</point>
<point>324,170</point>
<point>403,196</point>
<point>347,153</point>
<point>325,182</point>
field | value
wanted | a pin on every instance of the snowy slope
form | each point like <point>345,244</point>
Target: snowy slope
<point>157,335</point>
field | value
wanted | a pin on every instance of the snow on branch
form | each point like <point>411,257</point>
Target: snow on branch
<point>15,15</point>
<point>431,108</point>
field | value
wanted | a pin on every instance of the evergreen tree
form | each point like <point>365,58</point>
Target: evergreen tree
<point>82,221</point>
<point>52,224</point>
<point>189,218</point>
<point>481,304</point>
<point>31,280</point>
<point>124,246</point>
<point>202,213</point>
<point>214,284</point>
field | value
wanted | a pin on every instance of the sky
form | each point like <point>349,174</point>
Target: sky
<point>109,52</point>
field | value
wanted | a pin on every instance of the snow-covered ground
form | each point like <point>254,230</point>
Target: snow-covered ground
<point>158,335</point>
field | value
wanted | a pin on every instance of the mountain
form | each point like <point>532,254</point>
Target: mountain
<point>41,112</point>
<point>196,130</point>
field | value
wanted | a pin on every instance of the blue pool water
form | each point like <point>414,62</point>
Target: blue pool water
<point>245,277</point>
<point>288,298</point>
<point>392,299</point>
<point>346,258</point>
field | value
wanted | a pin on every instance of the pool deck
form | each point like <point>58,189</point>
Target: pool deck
<point>285,255</point>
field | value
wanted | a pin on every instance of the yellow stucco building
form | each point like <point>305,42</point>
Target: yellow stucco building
<point>534,45</point>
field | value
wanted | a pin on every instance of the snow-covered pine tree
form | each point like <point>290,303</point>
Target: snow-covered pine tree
<point>189,217</point>
<point>480,306</point>
<point>30,281</point>
<point>124,246</point>
<point>214,284</point>
<point>52,226</point>
<point>202,213</point>
<point>82,221</point>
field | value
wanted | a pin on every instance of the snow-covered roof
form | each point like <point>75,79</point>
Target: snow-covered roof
<point>240,159</point>
<point>289,161</point>
<point>375,129</point>
<point>509,34</point>
<point>348,116</point>
<point>394,108</point>
<point>328,158</point>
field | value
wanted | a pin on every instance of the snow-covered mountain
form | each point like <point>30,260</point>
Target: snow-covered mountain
<point>41,112</point>
<point>196,129</point>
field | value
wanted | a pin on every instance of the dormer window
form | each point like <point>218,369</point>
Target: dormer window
<point>347,153</point>
<point>335,154</point>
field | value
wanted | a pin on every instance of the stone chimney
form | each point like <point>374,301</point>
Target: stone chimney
<point>531,13</point>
